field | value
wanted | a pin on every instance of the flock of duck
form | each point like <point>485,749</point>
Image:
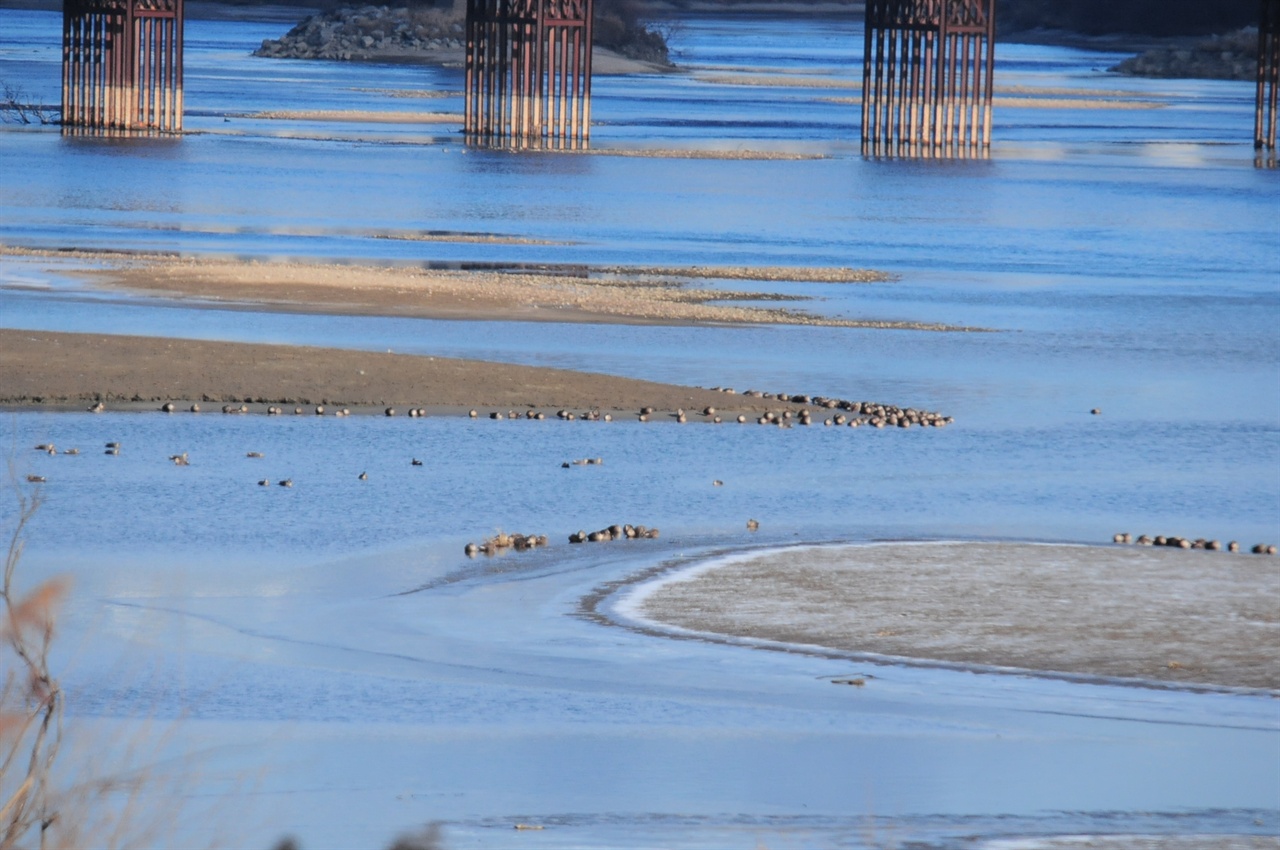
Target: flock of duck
<point>795,409</point>
<point>851,414</point>
<point>1187,543</point>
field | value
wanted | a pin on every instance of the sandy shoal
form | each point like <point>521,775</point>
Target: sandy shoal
<point>38,367</point>
<point>1156,614</point>
<point>613,295</point>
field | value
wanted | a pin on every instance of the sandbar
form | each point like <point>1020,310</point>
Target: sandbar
<point>662,296</point>
<point>40,367</point>
<point>1157,615</point>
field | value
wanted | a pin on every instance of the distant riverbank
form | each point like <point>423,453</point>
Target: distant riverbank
<point>353,34</point>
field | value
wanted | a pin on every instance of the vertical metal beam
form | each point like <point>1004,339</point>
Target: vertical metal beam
<point>528,72</point>
<point>122,65</point>
<point>1264,122</point>
<point>927,76</point>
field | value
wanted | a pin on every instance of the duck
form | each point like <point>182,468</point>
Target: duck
<point>253,454</point>
<point>180,460</point>
<point>288,482</point>
<point>167,407</point>
<point>36,479</point>
<point>195,408</point>
<point>364,476</point>
<point>71,451</point>
<point>97,408</point>
<point>753,525</point>
<point>415,462</point>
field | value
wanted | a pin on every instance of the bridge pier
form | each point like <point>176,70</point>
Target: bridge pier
<point>1264,123</point>
<point>927,77</point>
<point>122,65</point>
<point>528,73</point>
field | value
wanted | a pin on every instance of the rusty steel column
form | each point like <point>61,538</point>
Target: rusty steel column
<point>528,73</point>
<point>927,75</point>
<point>1264,123</point>
<point>122,65</point>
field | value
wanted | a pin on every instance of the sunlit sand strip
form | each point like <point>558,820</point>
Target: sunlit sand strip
<point>1045,91</point>
<point>409,93</point>
<point>1206,619</point>
<point>1040,103</point>
<point>349,138</point>
<point>761,70</point>
<point>465,238</point>
<point>361,116</point>
<point>806,274</point>
<point>1036,97</point>
<point>781,81</point>
<point>454,294</point>
<point>694,153</point>
<point>795,80</point>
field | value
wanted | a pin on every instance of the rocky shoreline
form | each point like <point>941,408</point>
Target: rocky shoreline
<point>386,33</point>
<point>366,32</point>
<point>402,34</point>
<point>1233,56</point>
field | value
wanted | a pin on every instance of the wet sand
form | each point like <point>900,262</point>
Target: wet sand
<point>617,295</point>
<point>38,367</point>
<point>1190,618</point>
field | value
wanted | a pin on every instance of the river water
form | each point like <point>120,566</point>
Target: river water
<point>1119,242</point>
